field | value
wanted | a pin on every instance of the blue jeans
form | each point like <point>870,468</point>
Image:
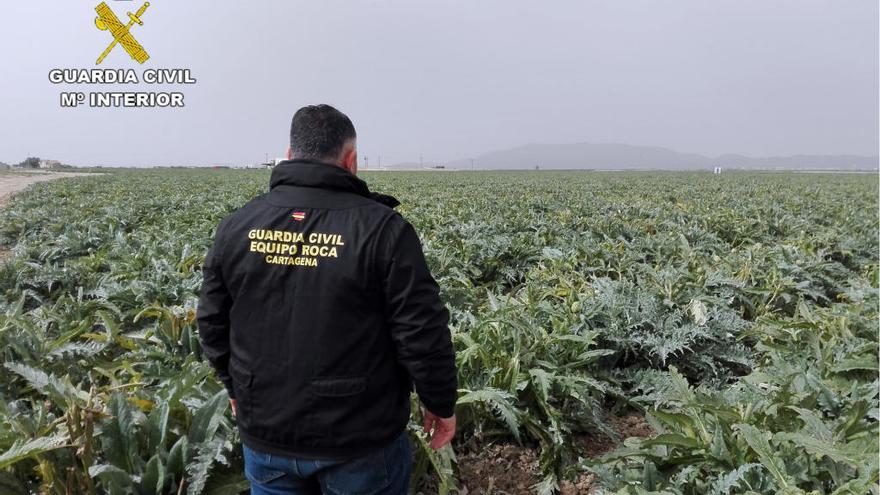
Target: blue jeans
<point>385,471</point>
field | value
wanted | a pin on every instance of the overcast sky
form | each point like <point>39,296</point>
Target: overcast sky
<point>451,79</point>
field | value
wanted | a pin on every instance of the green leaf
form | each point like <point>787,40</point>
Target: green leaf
<point>674,440</point>
<point>728,481</point>
<point>675,420</point>
<point>114,480</point>
<point>441,460</point>
<point>719,448</point>
<point>868,363</point>
<point>178,457</point>
<point>198,470</point>
<point>650,476</point>
<point>118,435</point>
<point>767,455</point>
<point>541,381</point>
<point>499,401</point>
<point>821,448</point>
<point>24,450</point>
<point>547,486</point>
<point>156,427</point>
<point>813,424</point>
<point>61,392</point>
<point>207,418</point>
<point>153,480</point>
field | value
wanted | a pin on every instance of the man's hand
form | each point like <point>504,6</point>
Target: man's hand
<point>234,407</point>
<point>444,429</point>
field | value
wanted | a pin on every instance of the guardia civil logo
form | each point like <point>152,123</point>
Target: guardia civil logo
<point>107,21</point>
<point>121,36</point>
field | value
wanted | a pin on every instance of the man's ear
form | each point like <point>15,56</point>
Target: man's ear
<point>349,160</point>
<point>289,154</point>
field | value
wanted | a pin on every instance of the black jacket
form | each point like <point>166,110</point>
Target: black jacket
<point>318,313</point>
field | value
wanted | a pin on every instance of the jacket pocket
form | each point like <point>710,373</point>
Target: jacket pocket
<point>242,380</point>
<point>339,386</point>
<point>336,416</point>
<point>241,377</point>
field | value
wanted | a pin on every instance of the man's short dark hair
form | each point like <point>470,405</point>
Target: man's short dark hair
<point>318,132</point>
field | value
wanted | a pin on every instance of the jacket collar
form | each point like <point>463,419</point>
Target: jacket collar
<point>308,173</point>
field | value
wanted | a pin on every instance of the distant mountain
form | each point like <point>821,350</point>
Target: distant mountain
<point>800,162</point>
<point>629,157</point>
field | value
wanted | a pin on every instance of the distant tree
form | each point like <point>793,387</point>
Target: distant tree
<point>30,162</point>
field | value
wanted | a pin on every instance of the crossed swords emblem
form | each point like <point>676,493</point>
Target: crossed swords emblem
<point>107,21</point>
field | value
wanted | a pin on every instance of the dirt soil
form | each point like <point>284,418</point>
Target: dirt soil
<point>509,469</point>
<point>12,183</point>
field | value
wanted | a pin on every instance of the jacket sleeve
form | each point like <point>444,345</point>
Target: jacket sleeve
<point>418,320</point>
<point>212,314</point>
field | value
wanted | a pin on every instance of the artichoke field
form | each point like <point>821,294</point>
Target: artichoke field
<point>738,312</point>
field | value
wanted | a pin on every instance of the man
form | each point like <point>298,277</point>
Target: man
<point>319,314</point>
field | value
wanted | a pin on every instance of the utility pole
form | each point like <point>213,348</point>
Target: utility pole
<point>366,161</point>
<point>472,164</point>
<point>380,161</point>
<point>421,163</point>
<point>267,158</point>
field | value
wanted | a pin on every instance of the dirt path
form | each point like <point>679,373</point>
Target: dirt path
<point>13,182</point>
<point>505,468</point>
